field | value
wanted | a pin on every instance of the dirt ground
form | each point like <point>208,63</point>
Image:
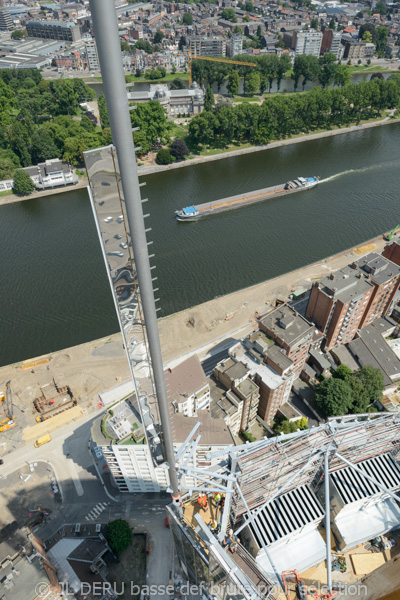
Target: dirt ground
<point>25,494</point>
<point>131,568</point>
<point>88,369</point>
<point>208,325</point>
<point>91,368</point>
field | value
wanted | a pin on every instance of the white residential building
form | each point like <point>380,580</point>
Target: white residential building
<point>308,42</point>
<point>91,54</point>
<point>187,387</point>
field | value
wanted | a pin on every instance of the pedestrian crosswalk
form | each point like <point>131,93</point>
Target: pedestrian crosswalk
<point>96,511</point>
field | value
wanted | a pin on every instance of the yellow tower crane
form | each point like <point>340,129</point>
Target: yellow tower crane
<point>211,58</point>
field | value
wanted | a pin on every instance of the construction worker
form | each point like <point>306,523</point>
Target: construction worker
<point>203,502</point>
<point>231,541</point>
<point>214,527</point>
<point>217,499</point>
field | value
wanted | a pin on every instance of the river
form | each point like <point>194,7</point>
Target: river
<point>287,84</point>
<point>54,288</point>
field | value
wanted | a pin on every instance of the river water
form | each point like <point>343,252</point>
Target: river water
<point>54,290</point>
<point>287,84</point>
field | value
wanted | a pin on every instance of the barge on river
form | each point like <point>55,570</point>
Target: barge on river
<point>193,213</point>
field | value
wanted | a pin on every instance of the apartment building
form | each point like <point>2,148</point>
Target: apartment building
<point>54,30</point>
<point>354,50</point>
<point>291,332</point>
<point>243,392</point>
<point>234,46</point>
<point>392,251</point>
<point>269,368</point>
<point>208,46</point>
<point>307,42</point>
<point>92,57</point>
<point>6,21</point>
<point>332,42</point>
<point>384,275</point>
<point>337,305</point>
<point>187,387</point>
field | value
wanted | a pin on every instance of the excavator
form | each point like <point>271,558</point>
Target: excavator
<point>9,422</point>
<point>299,588</point>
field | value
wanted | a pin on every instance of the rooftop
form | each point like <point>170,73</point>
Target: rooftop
<point>287,325</point>
<point>267,374</point>
<point>185,380</point>
<point>345,285</point>
<point>214,432</point>
<point>379,268</point>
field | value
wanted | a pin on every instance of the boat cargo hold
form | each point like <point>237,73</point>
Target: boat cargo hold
<point>193,213</point>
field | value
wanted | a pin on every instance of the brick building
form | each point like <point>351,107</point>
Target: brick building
<point>384,275</point>
<point>337,304</point>
<point>351,298</point>
<point>291,332</point>
<point>392,251</point>
<point>236,377</point>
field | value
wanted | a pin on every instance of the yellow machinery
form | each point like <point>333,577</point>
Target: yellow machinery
<point>211,58</point>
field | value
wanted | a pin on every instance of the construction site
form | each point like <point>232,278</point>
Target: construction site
<point>310,514</point>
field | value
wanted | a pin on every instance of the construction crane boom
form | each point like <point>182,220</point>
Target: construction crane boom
<point>9,402</point>
<point>213,59</point>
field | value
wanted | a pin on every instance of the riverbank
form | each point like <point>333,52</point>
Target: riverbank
<point>216,324</point>
<point>149,170</point>
<point>95,366</point>
<point>82,183</point>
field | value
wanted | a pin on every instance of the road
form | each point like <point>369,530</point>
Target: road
<point>71,459</point>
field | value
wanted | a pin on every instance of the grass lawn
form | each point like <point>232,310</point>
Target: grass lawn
<point>168,77</point>
<point>131,568</point>
<point>371,69</point>
<point>176,131</point>
<point>247,98</point>
<point>6,193</point>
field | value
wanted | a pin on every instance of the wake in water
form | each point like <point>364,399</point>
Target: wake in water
<point>385,164</point>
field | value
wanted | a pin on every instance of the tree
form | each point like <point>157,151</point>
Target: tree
<point>43,146</point>
<point>380,8</point>
<point>382,36</point>
<point>209,99</point>
<point>314,23</point>
<point>249,6</point>
<point>173,70</point>
<point>252,84</point>
<point>158,37</point>
<point>18,34</point>
<point>23,184</point>
<point>367,37</point>
<point>368,27</point>
<point>342,372</point>
<point>87,124</point>
<point>119,536</point>
<point>233,83</point>
<point>177,84</point>
<point>333,397</point>
<point>124,46</point>
<point>229,15</point>
<point>259,33</point>
<point>187,19</point>
<point>103,111</point>
<point>179,149</point>
<point>164,157</point>
<point>332,24</point>
<point>372,380</point>
<point>283,425</point>
<point>328,68</point>
<point>73,149</point>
